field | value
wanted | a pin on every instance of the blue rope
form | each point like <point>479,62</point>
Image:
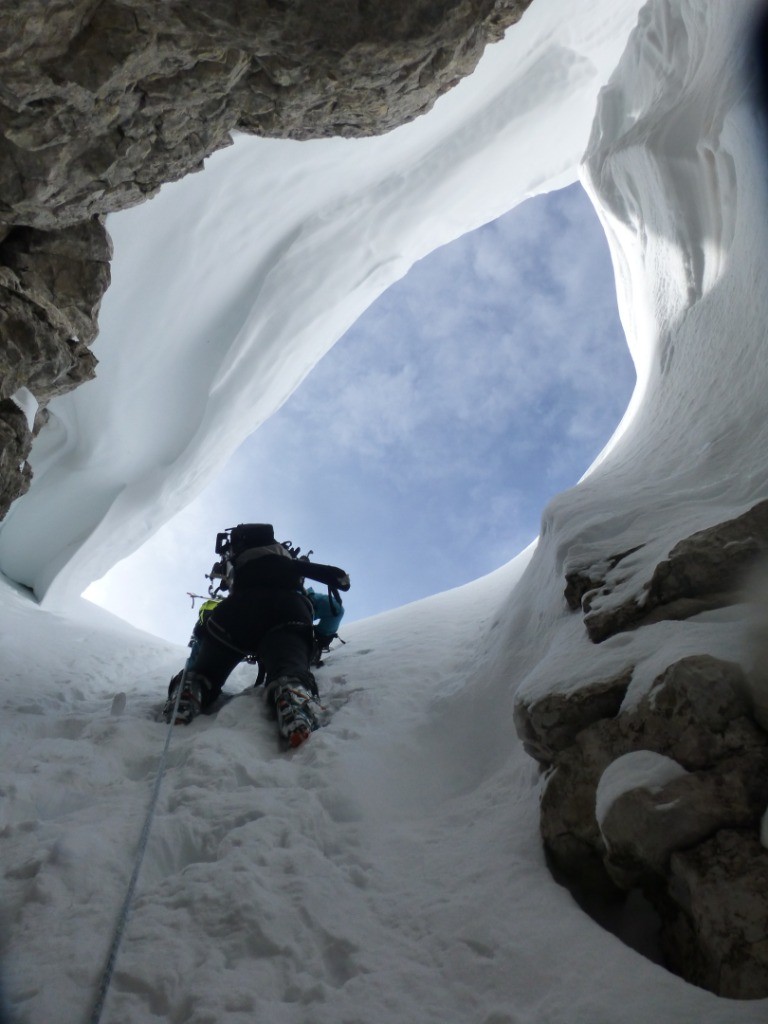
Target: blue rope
<point>122,920</point>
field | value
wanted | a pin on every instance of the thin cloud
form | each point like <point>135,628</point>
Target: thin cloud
<point>423,448</point>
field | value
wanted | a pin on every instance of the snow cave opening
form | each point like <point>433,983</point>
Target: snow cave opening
<point>424,446</point>
<point>481,318</point>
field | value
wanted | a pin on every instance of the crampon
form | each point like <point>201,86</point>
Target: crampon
<point>295,718</point>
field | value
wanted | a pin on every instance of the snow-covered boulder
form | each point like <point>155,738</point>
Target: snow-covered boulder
<point>705,570</point>
<point>648,806</point>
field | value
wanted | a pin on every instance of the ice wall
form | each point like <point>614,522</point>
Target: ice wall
<point>230,285</point>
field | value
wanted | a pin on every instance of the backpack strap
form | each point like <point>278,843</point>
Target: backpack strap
<point>333,595</point>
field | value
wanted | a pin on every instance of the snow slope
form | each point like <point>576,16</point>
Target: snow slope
<point>387,872</point>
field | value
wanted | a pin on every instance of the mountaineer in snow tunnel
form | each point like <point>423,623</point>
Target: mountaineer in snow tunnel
<point>265,616</point>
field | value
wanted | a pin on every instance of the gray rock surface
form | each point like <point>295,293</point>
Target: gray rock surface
<point>15,442</point>
<point>697,714</point>
<point>51,284</point>
<point>691,843</point>
<point>551,723</point>
<point>703,571</point>
<point>102,102</point>
<point>716,925</point>
<point>645,826</point>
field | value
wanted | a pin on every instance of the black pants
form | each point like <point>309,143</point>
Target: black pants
<point>275,626</point>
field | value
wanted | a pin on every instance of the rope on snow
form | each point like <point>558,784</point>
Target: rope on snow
<point>125,910</point>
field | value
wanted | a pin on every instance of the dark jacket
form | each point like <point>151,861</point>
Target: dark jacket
<point>274,567</point>
<point>266,593</point>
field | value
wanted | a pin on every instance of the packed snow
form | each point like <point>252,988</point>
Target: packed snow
<point>390,870</point>
<point>387,871</point>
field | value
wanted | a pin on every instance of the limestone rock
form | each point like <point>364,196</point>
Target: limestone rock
<point>567,820</point>
<point>646,824</point>
<point>51,284</point>
<point>103,102</point>
<point>703,571</point>
<point>551,723</point>
<point>695,713</point>
<point>711,561</point>
<point>40,351</point>
<point>15,442</point>
<point>716,933</point>
<point>65,270</point>
<point>665,832</point>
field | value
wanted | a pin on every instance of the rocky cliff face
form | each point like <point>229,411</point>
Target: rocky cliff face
<point>665,794</point>
<point>104,100</point>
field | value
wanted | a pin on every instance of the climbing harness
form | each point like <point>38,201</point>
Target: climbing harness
<point>125,910</point>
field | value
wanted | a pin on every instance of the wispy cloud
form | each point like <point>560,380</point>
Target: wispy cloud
<point>425,445</point>
<point>487,379</point>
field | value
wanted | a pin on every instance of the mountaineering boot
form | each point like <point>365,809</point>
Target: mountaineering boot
<point>190,700</point>
<point>291,701</point>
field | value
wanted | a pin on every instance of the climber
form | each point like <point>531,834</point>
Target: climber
<point>328,613</point>
<point>264,615</point>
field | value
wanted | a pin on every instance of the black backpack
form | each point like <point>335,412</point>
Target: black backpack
<point>231,542</point>
<point>234,541</point>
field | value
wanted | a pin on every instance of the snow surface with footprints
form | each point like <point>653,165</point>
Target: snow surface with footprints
<point>387,871</point>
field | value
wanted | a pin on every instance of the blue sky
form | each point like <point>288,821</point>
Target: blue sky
<point>420,452</point>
